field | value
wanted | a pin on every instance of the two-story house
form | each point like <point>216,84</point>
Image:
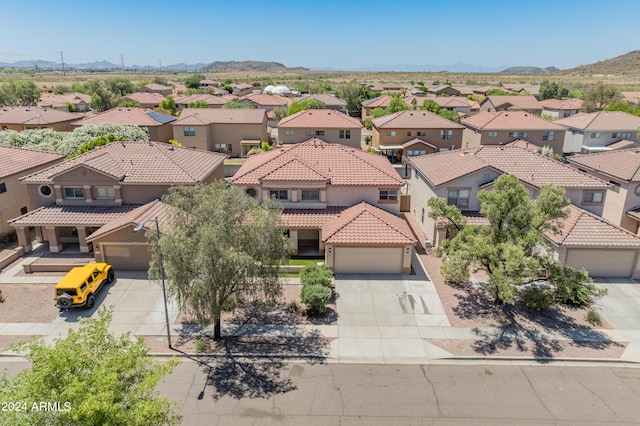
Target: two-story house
<point>30,118</point>
<point>160,89</point>
<point>75,198</point>
<point>414,132</point>
<point>326,124</point>
<point>338,201</point>
<point>585,240</point>
<point>266,102</point>
<point>15,163</point>
<point>561,108</point>
<point>329,101</point>
<point>158,125</point>
<point>67,102</point>
<point>599,131</point>
<point>230,131</point>
<point>149,100</point>
<point>495,103</point>
<point>495,128</point>
<point>371,104</point>
<point>212,101</point>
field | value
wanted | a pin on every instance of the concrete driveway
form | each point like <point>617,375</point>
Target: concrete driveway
<point>621,306</point>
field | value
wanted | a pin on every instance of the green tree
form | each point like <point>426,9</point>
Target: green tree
<point>279,112</point>
<point>500,92</point>
<point>168,106</point>
<point>97,378</point>
<point>61,89</point>
<point>552,90</point>
<point>129,104</point>
<point>120,86</point>
<point>354,94</point>
<point>623,106</point>
<point>396,104</point>
<point>599,96</point>
<point>449,115</point>
<point>102,99</point>
<point>19,93</point>
<point>431,105</point>
<point>235,104</point>
<point>193,81</point>
<point>223,250</point>
<point>198,104</point>
<point>304,105</point>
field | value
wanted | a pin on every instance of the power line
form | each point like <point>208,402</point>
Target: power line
<point>64,72</point>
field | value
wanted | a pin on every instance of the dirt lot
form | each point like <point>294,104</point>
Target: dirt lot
<point>27,303</point>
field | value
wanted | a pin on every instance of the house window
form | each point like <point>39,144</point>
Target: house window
<point>319,133</point>
<point>23,210</point>
<point>446,134</point>
<point>616,186</point>
<point>222,147</point>
<point>345,134</point>
<point>416,152</point>
<point>637,190</point>
<point>548,135</point>
<point>391,132</point>
<point>387,195</point>
<point>279,194</point>
<point>72,192</point>
<point>289,133</point>
<point>251,192</point>
<point>3,187</point>
<point>5,128</point>
<point>45,190</point>
<point>593,197</point>
<point>458,197</point>
<point>595,135</point>
<point>492,134</point>
<point>518,134</point>
<point>189,131</point>
<point>422,216</point>
<point>421,134</point>
<point>106,192</point>
<point>444,149</point>
<point>310,195</point>
<point>615,135</point>
<point>408,133</point>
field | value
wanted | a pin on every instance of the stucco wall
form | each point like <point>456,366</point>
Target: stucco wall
<point>379,137</point>
<point>330,135</point>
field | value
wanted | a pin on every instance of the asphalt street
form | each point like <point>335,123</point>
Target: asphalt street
<point>243,392</point>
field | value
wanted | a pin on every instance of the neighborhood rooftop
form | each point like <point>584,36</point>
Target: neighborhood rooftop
<point>15,160</point>
<point>204,116</point>
<point>34,115</point>
<point>509,120</point>
<point>319,118</point>
<point>130,115</point>
<point>623,164</point>
<point>414,119</point>
<point>142,214</point>
<point>602,120</point>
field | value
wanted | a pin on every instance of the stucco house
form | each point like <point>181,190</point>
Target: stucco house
<point>229,131</point>
<point>495,128</point>
<point>149,100</point>
<point>443,90</point>
<point>371,104</point>
<point>339,202</point>
<point>20,118</point>
<point>75,198</point>
<point>561,108</point>
<point>266,102</point>
<point>511,103</point>
<point>68,102</point>
<point>158,125</point>
<point>17,162</point>
<point>212,101</point>
<point>391,132</point>
<point>599,131</point>
<point>156,88</point>
<point>329,125</point>
<point>329,101</point>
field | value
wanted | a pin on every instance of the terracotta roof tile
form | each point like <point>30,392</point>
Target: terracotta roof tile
<point>328,100</point>
<point>35,116</point>
<point>366,224</point>
<point>203,116</point>
<point>414,119</point>
<point>267,100</point>
<point>340,164</point>
<point>562,104</point>
<point>139,215</point>
<point>55,215</point>
<point>144,97</point>
<point>294,167</point>
<point>528,102</point>
<point>132,116</point>
<point>16,160</point>
<point>602,120</point>
<point>201,97</point>
<point>379,102</point>
<point>510,120</point>
<point>141,162</point>
<point>320,118</point>
<point>622,164</point>
<point>309,218</point>
<point>531,168</point>
<point>584,229</point>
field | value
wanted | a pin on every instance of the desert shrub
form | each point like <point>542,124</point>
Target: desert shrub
<point>537,298</point>
<point>455,269</point>
<point>593,317</point>
<point>316,298</point>
<point>293,307</point>
<point>200,345</point>
<point>574,287</point>
<point>316,275</point>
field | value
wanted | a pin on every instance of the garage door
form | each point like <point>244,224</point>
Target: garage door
<point>127,257</point>
<point>368,260</point>
<point>603,263</point>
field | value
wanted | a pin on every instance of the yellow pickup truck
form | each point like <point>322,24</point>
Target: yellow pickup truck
<point>79,287</point>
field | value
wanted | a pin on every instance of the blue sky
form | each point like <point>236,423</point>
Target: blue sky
<point>339,34</point>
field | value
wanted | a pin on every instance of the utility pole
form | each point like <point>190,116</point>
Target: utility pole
<point>122,61</point>
<point>186,68</point>
<point>64,72</point>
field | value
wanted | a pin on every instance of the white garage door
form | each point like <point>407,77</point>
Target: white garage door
<point>127,257</point>
<point>602,263</point>
<point>368,260</point>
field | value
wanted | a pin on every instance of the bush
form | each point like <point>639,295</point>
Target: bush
<point>593,317</point>
<point>316,298</point>
<point>316,275</point>
<point>574,287</point>
<point>537,298</point>
<point>200,345</point>
<point>293,307</point>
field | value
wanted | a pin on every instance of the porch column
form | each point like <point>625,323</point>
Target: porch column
<point>24,239</point>
<point>88,197</point>
<point>406,259</point>
<point>82,239</point>
<point>293,236</point>
<point>55,246</point>
<point>57,190</point>
<point>118,189</point>
<point>39,236</point>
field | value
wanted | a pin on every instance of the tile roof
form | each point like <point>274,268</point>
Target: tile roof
<point>418,141</point>
<point>366,224</point>
<point>379,102</point>
<point>414,119</point>
<point>584,229</point>
<point>55,215</point>
<point>516,102</point>
<point>139,215</point>
<point>309,218</point>
<point>531,168</point>
<point>35,115</point>
<point>204,97</point>
<point>328,100</point>
<point>623,164</point>
<point>73,98</point>
<point>132,116</point>
<point>562,104</point>
<point>509,120</point>
<point>156,86</point>
<point>602,120</point>
<point>144,97</point>
<point>320,118</point>
<point>337,164</point>
<point>16,160</point>
<point>141,162</point>
<point>267,100</point>
<point>524,144</point>
<point>205,116</point>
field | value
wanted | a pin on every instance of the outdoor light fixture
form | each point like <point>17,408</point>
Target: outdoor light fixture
<point>137,228</point>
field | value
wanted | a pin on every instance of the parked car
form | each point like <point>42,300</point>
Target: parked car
<point>79,287</point>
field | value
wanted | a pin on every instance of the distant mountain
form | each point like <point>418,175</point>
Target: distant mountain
<point>454,68</point>
<point>629,63</point>
<point>96,65</point>
<point>528,70</point>
<point>235,66</point>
